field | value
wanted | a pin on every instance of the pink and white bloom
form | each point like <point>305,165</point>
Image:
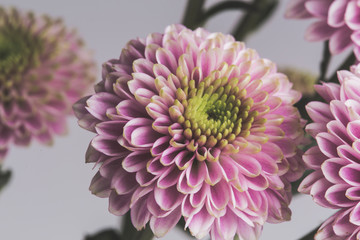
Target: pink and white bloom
<point>44,69</point>
<point>337,21</point>
<point>335,182</point>
<point>193,124</point>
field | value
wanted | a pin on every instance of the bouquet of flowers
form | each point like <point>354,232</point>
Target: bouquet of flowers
<point>192,128</point>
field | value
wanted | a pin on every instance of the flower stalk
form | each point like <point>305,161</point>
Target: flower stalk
<point>256,16</point>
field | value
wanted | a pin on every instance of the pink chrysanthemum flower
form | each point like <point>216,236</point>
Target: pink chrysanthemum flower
<point>338,22</point>
<point>335,183</point>
<point>43,71</point>
<point>194,124</point>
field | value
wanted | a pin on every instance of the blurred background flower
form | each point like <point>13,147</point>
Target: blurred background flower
<point>337,21</point>
<point>44,69</point>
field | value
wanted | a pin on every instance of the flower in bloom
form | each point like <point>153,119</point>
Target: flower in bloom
<point>193,124</point>
<point>337,21</point>
<point>44,69</point>
<point>335,181</point>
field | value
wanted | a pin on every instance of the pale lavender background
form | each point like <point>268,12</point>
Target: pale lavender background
<point>48,196</point>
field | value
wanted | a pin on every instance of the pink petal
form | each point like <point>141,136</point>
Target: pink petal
<point>296,9</point>
<point>154,208</point>
<point>337,13</point>
<point>340,40</point>
<point>319,112</point>
<point>184,187</point>
<point>328,91</point>
<point>257,183</point>
<point>197,199</point>
<point>353,193</point>
<point>220,195</point>
<point>143,65</point>
<point>161,225</point>
<point>328,144</point>
<point>214,174</point>
<point>169,178</point>
<point>354,129</point>
<point>200,223</point>
<point>160,145</point>
<point>339,111</point>
<point>319,31</point>
<point>110,129</point>
<point>248,232</point>
<point>348,153</point>
<point>136,161</point>
<point>355,215</point>
<point>227,166</point>
<point>139,213</point>
<point>318,193</point>
<point>318,9</point>
<point>168,156</point>
<point>107,146</point>
<point>225,227</point>
<point>124,183</point>
<point>338,130</point>
<point>342,225</point>
<point>336,195</point>
<point>100,102</point>
<point>183,159</point>
<point>309,181</point>
<point>247,165</point>
<point>100,186</point>
<point>352,15</point>
<point>313,157</point>
<point>169,198</point>
<point>119,204</point>
<point>331,168</point>
<point>166,58</point>
<point>350,89</point>
<point>196,174</point>
<point>351,174</point>
<point>130,109</point>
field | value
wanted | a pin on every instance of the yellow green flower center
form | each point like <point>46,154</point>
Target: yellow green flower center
<point>20,50</point>
<point>215,112</point>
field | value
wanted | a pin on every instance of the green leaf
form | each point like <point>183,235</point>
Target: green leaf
<point>4,178</point>
<point>107,234</point>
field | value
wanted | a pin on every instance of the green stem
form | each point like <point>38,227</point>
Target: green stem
<point>325,61</point>
<point>193,13</point>
<point>128,231</point>
<point>310,235</point>
<point>253,19</point>
<point>350,60</point>
<point>228,5</point>
<point>305,100</point>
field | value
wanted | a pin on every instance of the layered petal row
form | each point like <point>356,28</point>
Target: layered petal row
<point>335,181</point>
<point>194,125</point>
<point>336,20</point>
